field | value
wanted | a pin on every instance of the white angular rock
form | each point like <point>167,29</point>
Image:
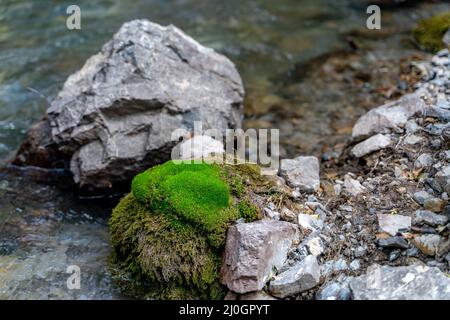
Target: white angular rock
<point>309,222</point>
<point>353,186</point>
<point>252,250</point>
<point>315,246</point>
<point>301,172</point>
<point>388,116</point>
<point>393,223</point>
<point>375,143</point>
<point>301,277</point>
<point>401,283</point>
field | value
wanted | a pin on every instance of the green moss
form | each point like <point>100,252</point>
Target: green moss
<point>429,32</point>
<point>248,211</point>
<point>170,230</point>
<point>176,262</point>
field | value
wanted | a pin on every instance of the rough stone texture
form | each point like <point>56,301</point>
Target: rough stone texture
<point>393,223</point>
<point>442,179</point>
<point>252,250</point>
<point>375,143</point>
<point>423,161</point>
<point>353,186</point>
<point>315,246</point>
<point>388,116</point>
<point>412,139</point>
<point>421,196</point>
<point>334,291</point>
<point>301,172</point>
<point>427,243</point>
<point>302,276</point>
<point>288,215</point>
<point>116,116</point>
<point>434,204</point>
<point>309,222</point>
<point>393,242</point>
<point>430,218</point>
<point>401,283</point>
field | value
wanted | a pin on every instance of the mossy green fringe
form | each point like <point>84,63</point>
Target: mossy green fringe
<point>171,228</point>
<point>429,32</point>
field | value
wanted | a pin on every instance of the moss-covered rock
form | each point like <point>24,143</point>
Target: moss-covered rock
<point>429,32</point>
<point>169,232</point>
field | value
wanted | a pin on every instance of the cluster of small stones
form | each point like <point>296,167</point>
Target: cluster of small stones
<point>378,228</point>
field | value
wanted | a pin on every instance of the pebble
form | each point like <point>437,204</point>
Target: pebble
<point>421,196</point>
<point>334,291</point>
<point>374,143</point>
<point>393,223</point>
<point>315,246</point>
<point>428,243</point>
<point>411,126</point>
<point>423,161</point>
<point>393,242</point>
<point>412,139</point>
<point>301,277</point>
<point>353,186</point>
<point>360,251</point>
<point>309,222</point>
<point>394,255</point>
<point>434,204</point>
<point>355,265</point>
<point>430,218</point>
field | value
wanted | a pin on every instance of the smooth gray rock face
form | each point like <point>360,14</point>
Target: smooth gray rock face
<point>401,283</point>
<point>388,116</point>
<point>252,250</point>
<point>301,277</point>
<point>117,114</point>
<point>375,143</point>
<point>301,172</point>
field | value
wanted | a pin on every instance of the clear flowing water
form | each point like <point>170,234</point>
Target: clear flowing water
<point>43,229</point>
<point>264,38</point>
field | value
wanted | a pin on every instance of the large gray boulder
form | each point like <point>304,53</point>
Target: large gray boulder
<point>252,250</point>
<point>401,283</point>
<point>116,116</point>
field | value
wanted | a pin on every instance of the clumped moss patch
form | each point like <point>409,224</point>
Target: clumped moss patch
<point>170,230</point>
<point>429,32</point>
